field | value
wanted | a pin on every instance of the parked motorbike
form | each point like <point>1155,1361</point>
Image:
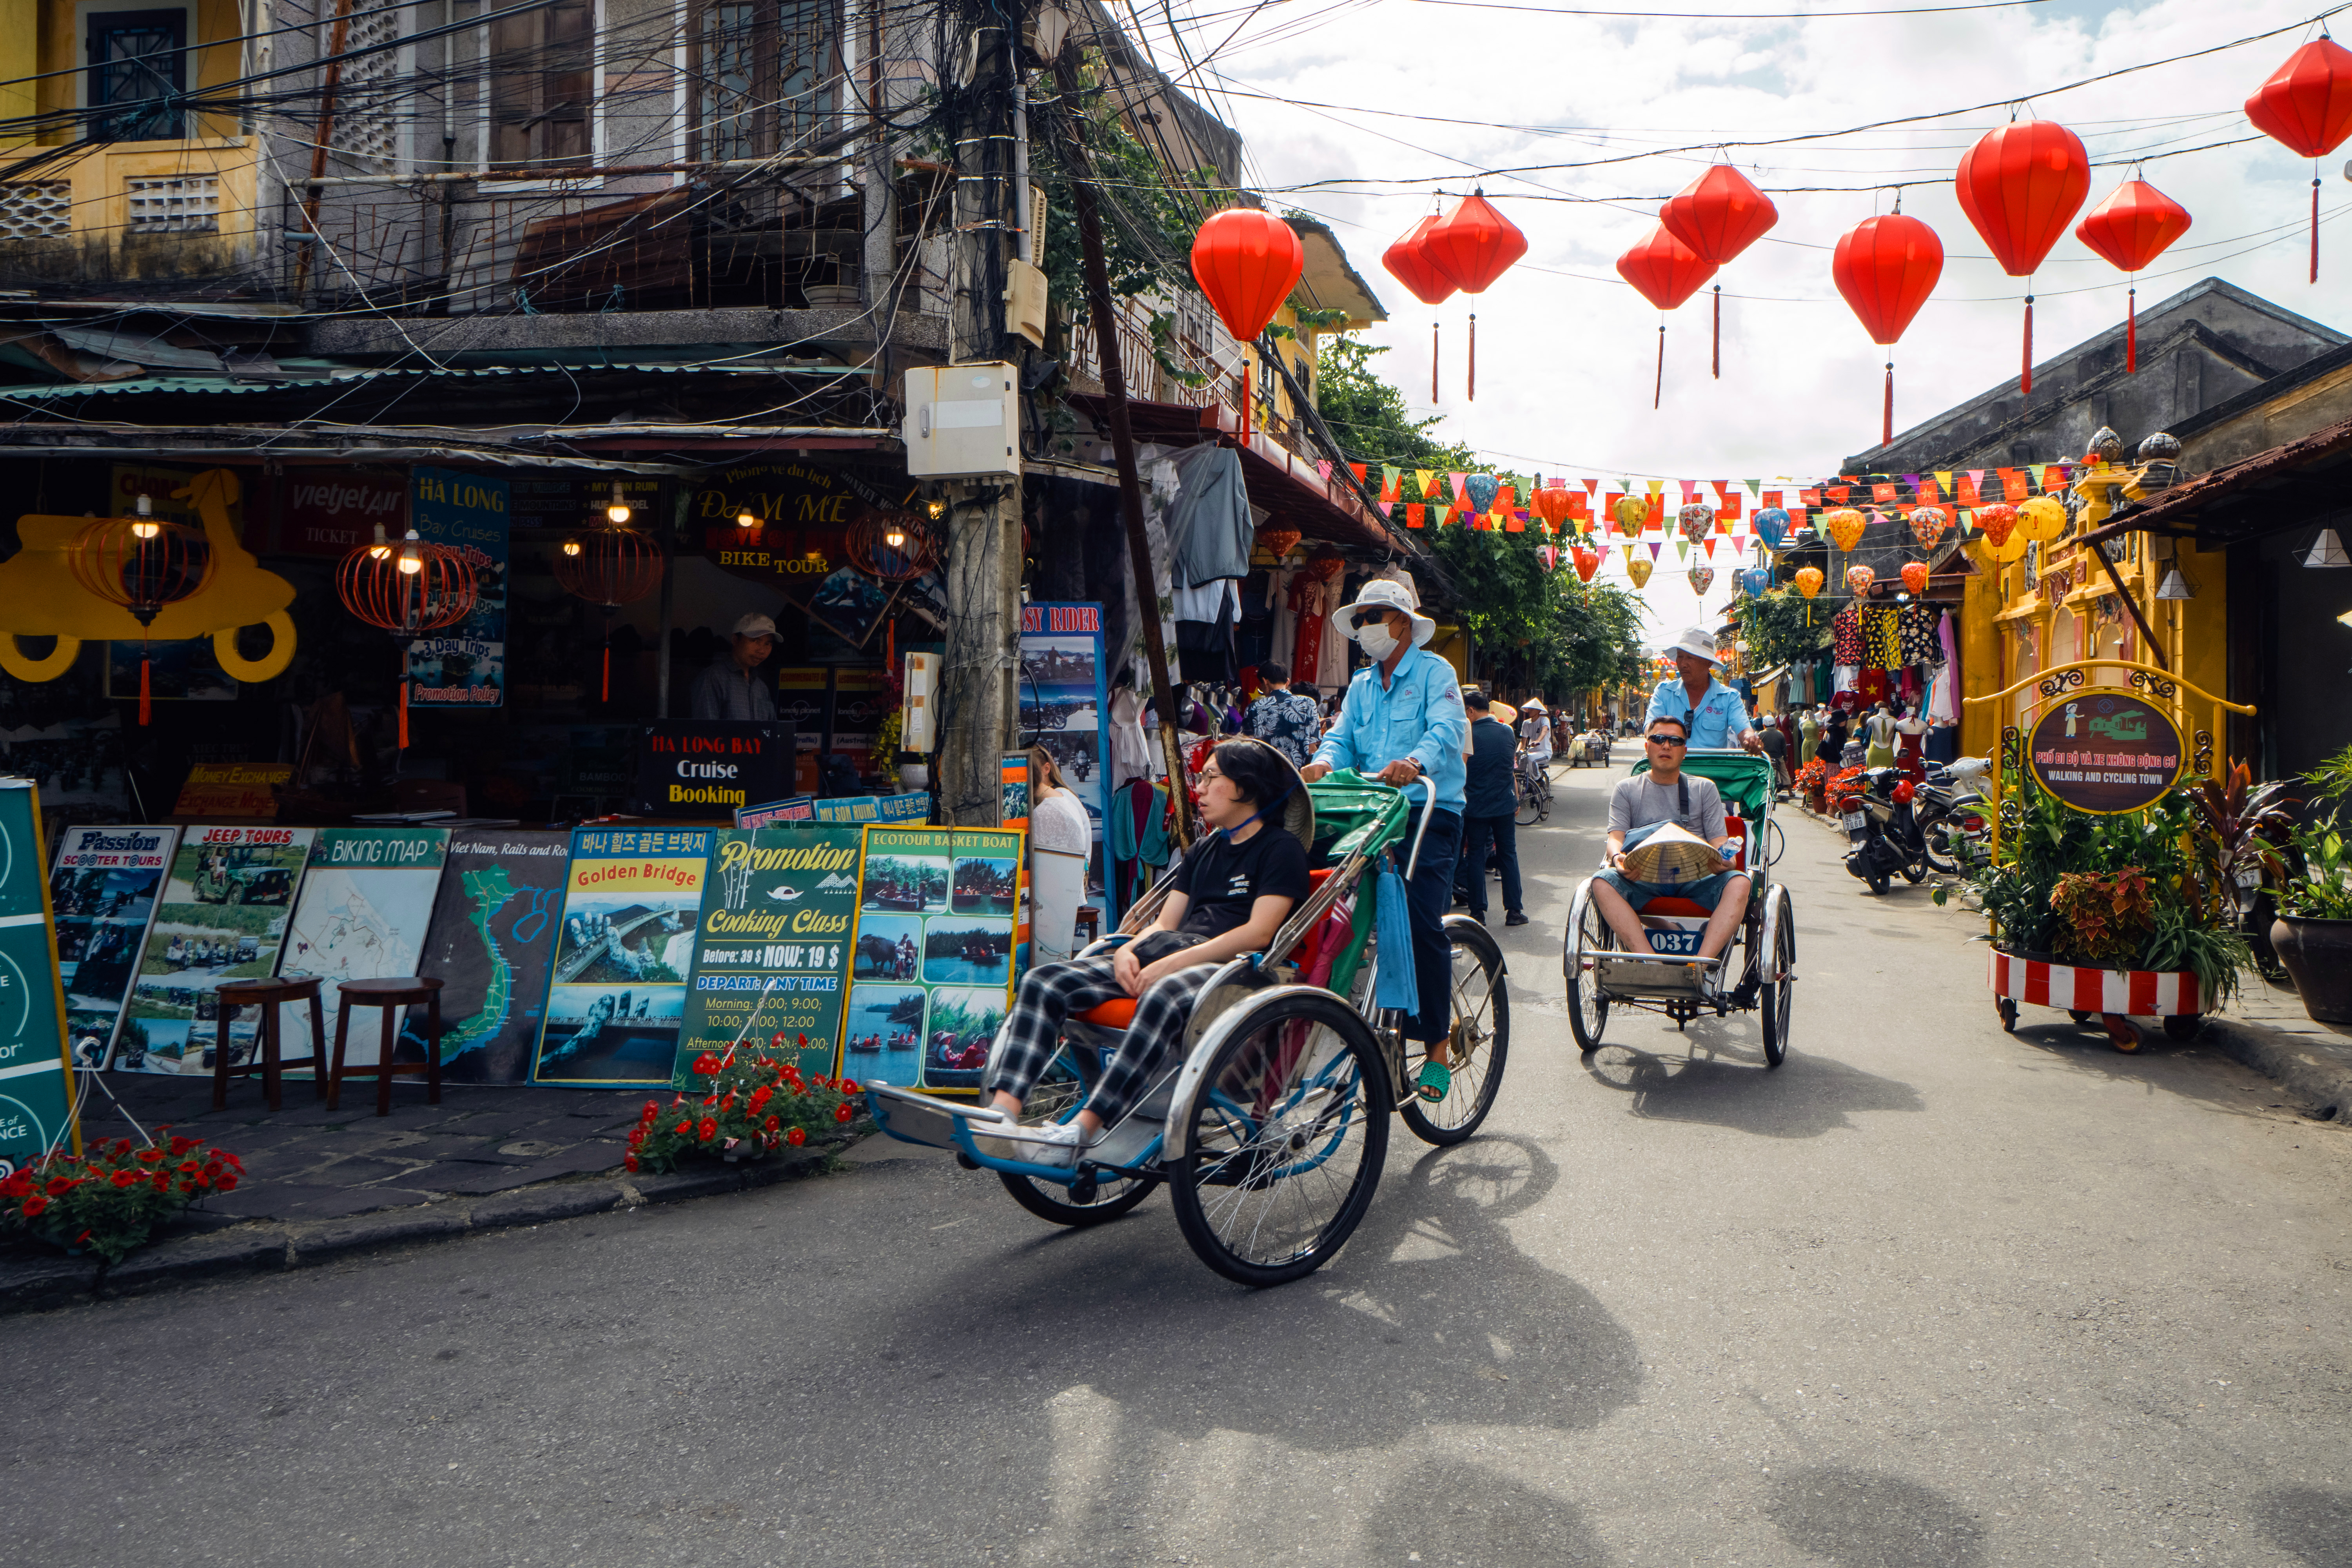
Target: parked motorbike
<point>1885,831</point>
<point>1955,812</point>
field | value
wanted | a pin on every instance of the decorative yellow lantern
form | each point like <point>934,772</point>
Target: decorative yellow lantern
<point>2041,519</point>
<point>1808,581</point>
<point>1637,567</point>
<point>1632,511</point>
<point>1846,526</point>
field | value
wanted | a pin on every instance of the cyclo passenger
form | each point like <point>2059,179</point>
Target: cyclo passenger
<point>1638,806</point>
<point>1402,723</point>
<point>1229,896</point>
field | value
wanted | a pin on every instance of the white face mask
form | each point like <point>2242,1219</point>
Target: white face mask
<point>1376,641</point>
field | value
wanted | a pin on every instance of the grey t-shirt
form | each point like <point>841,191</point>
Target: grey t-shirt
<point>1639,801</point>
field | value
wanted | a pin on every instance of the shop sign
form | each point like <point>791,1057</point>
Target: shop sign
<point>772,960</point>
<point>565,502</point>
<point>34,1102</point>
<point>233,789</point>
<point>465,666</point>
<point>491,944</point>
<point>2106,753</point>
<point>102,894</point>
<point>331,511</point>
<point>711,767</point>
<point>632,910</point>
<point>127,481</point>
<point>942,932</point>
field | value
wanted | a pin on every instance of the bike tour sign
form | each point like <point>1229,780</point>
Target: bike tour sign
<point>2105,751</point>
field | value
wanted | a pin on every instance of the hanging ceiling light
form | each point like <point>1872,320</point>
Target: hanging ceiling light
<point>618,510</point>
<point>2326,550</point>
<point>745,519</point>
<point>144,524</point>
<point>2175,586</point>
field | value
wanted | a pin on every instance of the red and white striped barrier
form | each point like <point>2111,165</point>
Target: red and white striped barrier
<point>2142,993</point>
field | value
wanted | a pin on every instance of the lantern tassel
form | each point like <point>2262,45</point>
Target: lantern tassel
<point>607,696</point>
<point>1719,332</point>
<point>1886,418</point>
<point>2025,377</point>
<point>1473,356</point>
<point>1658,393</point>
<point>2131,331</point>
<point>404,712</point>
<point>2315,228</point>
<point>1433,362</point>
<point>1245,397</point>
<point>146,701</point>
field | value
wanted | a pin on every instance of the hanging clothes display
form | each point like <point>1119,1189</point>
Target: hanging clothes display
<point>1882,642</point>
<point>1845,631</point>
<point>1130,749</point>
<point>1210,529</point>
<point>1916,634</point>
<point>1281,638</point>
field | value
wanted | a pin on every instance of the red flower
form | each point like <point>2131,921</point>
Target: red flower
<point>849,1086</point>
<point>652,1110</point>
<point>181,1145</point>
<point>843,1113</point>
<point>18,1186</point>
<point>126,1178</point>
<point>638,1138</point>
<point>235,1164</point>
<point>60,1185</point>
<point>162,1182</point>
<point>801,1040</point>
<point>710,1099</point>
<point>35,1204</point>
<point>121,1145</point>
<point>227,1183</point>
<point>709,1129</point>
<point>685,1129</point>
<point>188,1167</point>
<point>629,1163</point>
<point>774,1122</point>
<point>796,1138</point>
<point>186,1185</point>
<point>149,1156</point>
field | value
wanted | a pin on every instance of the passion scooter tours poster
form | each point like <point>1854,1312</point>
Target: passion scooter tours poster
<point>362,915</point>
<point>103,890</point>
<point>941,935</point>
<point>632,907</point>
<point>35,1090</point>
<point>772,960</point>
<point>491,944</point>
<point>222,917</point>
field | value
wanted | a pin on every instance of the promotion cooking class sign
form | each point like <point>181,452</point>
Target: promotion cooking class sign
<point>771,958</point>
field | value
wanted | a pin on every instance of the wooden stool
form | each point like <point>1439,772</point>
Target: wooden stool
<point>397,991</point>
<point>267,994</point>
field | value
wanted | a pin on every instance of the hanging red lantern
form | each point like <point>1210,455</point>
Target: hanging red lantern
<point>1915,576</point>
<point>1588,562</point>
<point>609,565</point>
<point>141,562</point>
<point>1428,283</point>
<point>2306,108</point>
<point>1667,272</point>
<point>2131,228</point>
<point>1472,246</point>
<point>1886,268</point>
<point>1717,215</point>
<point>407,589</point>
<point>2021,186</point>
<point>1553,504</point>
<point>1246,262</point>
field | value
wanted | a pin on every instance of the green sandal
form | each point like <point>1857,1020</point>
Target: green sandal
<point>1437,1081</point>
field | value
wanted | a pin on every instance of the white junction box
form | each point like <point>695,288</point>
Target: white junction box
<point>963,421</point>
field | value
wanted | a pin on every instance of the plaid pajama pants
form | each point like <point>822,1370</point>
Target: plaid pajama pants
<point>1050,992</point>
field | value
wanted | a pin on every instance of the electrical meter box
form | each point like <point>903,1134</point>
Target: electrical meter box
<point>963,422</point>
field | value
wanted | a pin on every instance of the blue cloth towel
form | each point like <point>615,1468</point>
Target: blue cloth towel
<point>1393,986</point>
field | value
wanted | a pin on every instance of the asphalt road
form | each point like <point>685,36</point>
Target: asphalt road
<point>1927,1295</point>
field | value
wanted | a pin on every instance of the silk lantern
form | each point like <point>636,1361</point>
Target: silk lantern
<point>2131,228</point>
<point>2041,519</point>
<point>1697,521</point>
<point>1412,267</point>
<point>1246,262</point>
<point>2020,185</point>
<point>1638,569</point>
<point>1474,245</point>
<point>1553,504</point>
<point>1886,267</point>
<point>1632,511</point>
<point>1996,523</point>
<point>1858,578</point>
<point>2306,107</point>
<point>1771,526</point>
<point>1808,581</point>
<point>1757,580</point>
<point>1915,576</point>
<point>1702,578</point>
<point>1846,526</point>
<point>1717,215</point>
<point>1588,562</point>
<point>1666,272</point>
<point>1927,524</point>
<point>1482,490</point>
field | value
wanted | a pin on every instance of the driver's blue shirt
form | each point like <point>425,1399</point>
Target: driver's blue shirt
<point>1718,719</point>
<point>1417,714</point>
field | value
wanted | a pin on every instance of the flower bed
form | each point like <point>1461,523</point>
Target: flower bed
<point>114,1196</point>
<point>739,1107</point>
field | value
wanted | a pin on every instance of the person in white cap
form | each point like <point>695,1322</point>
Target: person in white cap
<point>1402,723</point>
<point>1711,712</point>
<point>731,687</point>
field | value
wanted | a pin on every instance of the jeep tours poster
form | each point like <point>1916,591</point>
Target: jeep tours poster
<point>491,944</point>
<point>103,890</point>
<point>362,915</point>
<point>772,960</point>
<point>222,917</point>
<point>632,907</point>
<point>939,931</point>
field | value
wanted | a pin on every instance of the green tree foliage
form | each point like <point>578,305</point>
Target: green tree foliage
<point>1781,628</point>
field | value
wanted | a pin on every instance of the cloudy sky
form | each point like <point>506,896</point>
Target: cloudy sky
<point>1367,111</point>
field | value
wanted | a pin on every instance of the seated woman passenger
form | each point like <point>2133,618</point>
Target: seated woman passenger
<point>1229,897</point>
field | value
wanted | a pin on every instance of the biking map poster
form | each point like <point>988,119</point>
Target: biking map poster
<point>222,917</point>
<point>491,942</point>
<point>941,934</point>
<point>103,890</point>
<point>36,1097</point>
<point>771,959</point>
<point>362,915</point>
<point>632,908</point>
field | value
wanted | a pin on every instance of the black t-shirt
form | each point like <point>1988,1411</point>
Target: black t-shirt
<point>1222,879</point>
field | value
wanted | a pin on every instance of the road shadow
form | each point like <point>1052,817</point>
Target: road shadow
<point>1451,1511</point>
<point>1719,1079</point>
<point>2186,1068</point>
<point>1859,1518</point>
<point>2312,1523</point>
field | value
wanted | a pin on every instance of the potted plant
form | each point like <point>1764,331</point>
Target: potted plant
<point>114,1195</point>
<point>737,1107</point>
<point>2313,933</point>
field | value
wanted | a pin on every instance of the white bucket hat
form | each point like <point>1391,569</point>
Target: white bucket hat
<point>1384,595</point>
<point>1698,640</point>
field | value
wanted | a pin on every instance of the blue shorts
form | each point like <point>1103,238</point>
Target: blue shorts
<point>1706,892</point>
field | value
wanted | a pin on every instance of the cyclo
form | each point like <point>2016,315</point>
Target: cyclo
<point>1271,1131</point>
<point>1762,951</point>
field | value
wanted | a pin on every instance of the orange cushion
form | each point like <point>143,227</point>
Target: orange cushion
<point>1314,878</point>
<point>1670,905</point>
<point>1116,1013</point>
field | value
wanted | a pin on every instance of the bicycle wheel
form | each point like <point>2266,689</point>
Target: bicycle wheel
<point>1525,806</point>
<point>1779,973</point>
<point>1588,1009</point>
<point>1282,1132</point>
<point>1481,1040</point>
<point>1058,1093</point>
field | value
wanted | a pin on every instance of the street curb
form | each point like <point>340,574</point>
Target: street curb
<point>261,1247</point>
<point>2312,1072</point>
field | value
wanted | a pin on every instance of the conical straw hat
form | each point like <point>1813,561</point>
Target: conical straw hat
<point>1672,854</point>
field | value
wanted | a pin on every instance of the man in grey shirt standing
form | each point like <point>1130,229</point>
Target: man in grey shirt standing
<point>1636,808</point>
<point>732,687</point>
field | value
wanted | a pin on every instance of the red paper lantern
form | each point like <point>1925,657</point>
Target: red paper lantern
<point>1472,246</point>
<point>1552,504</point>
<point>1719,215</point>
<point>1588,562</point>
<point>1886,267</point>
<point>2306,107</point>
<point>142,564</point>
<point>1915,576</point>
<point>1246,262</point>
<point>2021,186</point>
<point>609,565</point>
<point>1667,272</point>
<point>2131,228</point>
<point>409,589</point>
<point>1412,267</point>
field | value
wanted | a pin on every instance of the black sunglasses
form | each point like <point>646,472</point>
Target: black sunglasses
<point>1662,738</point>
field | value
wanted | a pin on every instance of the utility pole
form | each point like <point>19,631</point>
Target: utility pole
<point>980,696</point>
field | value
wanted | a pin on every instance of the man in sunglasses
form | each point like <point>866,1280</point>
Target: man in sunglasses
<point>1637,807</point>
<point>1712,714</point>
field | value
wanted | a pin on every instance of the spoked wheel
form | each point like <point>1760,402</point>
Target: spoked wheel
<point>1055,1099</point>
<point>1529,808</point>
<point>1482,1039</point>
<point>1283,1131</point>
<point>1588,1009</point>
<point>1777,972</point>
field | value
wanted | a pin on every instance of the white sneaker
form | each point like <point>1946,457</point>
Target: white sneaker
<point>1059,1145</point>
